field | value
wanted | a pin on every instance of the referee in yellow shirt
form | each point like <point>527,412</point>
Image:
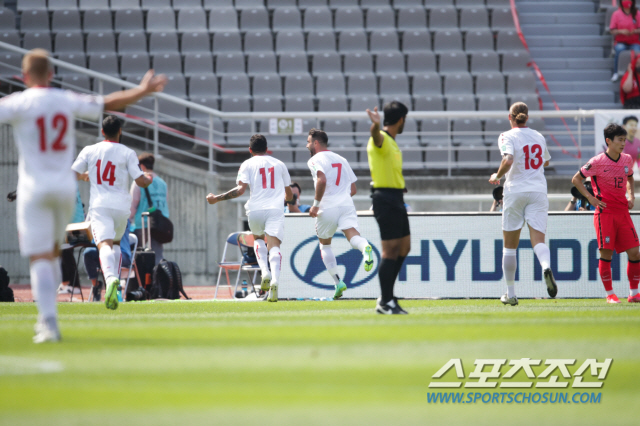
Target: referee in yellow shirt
<point>385,163</point>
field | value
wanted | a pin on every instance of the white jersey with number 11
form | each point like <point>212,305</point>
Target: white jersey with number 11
<point>267,177</point>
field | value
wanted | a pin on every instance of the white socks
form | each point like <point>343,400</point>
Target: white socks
<point>117,258</point>
<point>330,262</point>
<point>358,243</point>
<point>108,262</point>
<point>509,266</point>
<point>275,260</point>
<point>262,255</point>
<point>544,255</point>
<point>44,285</point>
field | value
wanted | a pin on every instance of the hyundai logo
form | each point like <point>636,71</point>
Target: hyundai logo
<point>309,261</point>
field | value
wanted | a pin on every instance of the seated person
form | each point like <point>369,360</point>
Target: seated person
<point>577,201</point>
<point>92,262</point>
<point>294,205</point>
<point>68,262</point>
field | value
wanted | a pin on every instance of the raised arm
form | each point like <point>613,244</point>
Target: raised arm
<point>321,185</point>
<point>375,127</point>
<point>150,83</point>
<point>577,182</point>
<point>233,193</point>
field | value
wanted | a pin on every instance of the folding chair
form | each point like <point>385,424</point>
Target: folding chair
<point>232,239</point>
<point>245,242</point>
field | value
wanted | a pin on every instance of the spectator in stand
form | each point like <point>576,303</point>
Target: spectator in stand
<point>625,27</point>
<point>629,87</point>
<point>632,147</point>
<point>158,193</point>
<point>294,205</point>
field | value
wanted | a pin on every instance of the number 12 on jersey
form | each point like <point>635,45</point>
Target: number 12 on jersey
<point>271,171</point>
<point>109,174</point>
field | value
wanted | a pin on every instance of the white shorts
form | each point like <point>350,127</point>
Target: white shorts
<point>530,207</point>
<point>107,224</point>
<point>334,218</point>
<point>42,220</point>
<point>270,222</point>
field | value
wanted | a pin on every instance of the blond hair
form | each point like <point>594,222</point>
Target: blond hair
<point>519,112</point>
<point>36,64</point>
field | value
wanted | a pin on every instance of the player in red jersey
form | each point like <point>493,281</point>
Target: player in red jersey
<point>612,181</point>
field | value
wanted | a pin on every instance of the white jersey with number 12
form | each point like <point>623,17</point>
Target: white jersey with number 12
<point>267,177</point>
<point>529,150</point>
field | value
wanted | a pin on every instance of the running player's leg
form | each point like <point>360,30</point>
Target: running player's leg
<point>512,223</point>
<point>274,230</point>
<point>348,223</point>
<point>326,226</point>
<point>536,214</point>
<point>102,227</point>
<point>256,225</point>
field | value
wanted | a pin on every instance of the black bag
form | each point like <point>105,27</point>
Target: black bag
<point>144,264</point>
<point>167,281</point>
<point>6,293</point>
<point>161,226</point>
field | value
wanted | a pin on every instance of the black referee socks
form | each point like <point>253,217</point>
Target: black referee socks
<point>387,274</point>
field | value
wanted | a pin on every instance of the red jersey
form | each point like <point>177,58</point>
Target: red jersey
<point>609,180</point>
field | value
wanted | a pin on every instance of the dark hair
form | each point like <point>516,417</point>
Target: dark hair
<point>147,159</point>
<point>632,10</point>
<point>295,185</point>
<point>393,112</point>
<point>629,118</point>
<point>612,130</point>
<point>258,144</point>
<point>111,125</point>
<point>320,136</point>
<point>519,111</point>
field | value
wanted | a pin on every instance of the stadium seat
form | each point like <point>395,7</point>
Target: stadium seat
<point>443,18</point>
<point>269,85</point>
<point>361,103</point>
<point>367,4</point>
<point>124,4</point>
<point>399,4</point>
<point>462,4</point>
<point>532,101</point>
<point>461,102</point>
<point>155,4</point>
<point>439,3</point>
<point>106,63</point>
<point>335,4</point>
<point>134,64</point>
<point>227,42</point>
<point>412,18</point>
<point>467,131</point>
<point>31,5</point>
<point>508,41</point>
<point>493,127</point>
<point>381,18</point>
<point>187,4</point>
<point>254,19</point>
<point>490,84</point>
<point>176,85</point>
<point>330,85</point>
<point>223,19</point>
<point>267,104</point>
<point>37,40</point>
<point>453,62</point>
<point>230,64</point>
<point>321,42</point>
<point>447,40</point>
<point>62,5</point>
<point>405,99</point>
<point>362,84</point>
<point>286,18</point>
<point>161,20</point>
<point>293,63</point>
<point>326,63</point>
<point>235,104</point>
<point>502,19</point>
<point>78,83</point>
<point>521,83</point>
<point>257,41</point>
<point>318,18</point>
<point>340,132</point>
<point>203,120</point>
<point>485,62</point>
<point>458,84</point>
<point>384,41</point>
<point>497,102</point>
<point>75,58</point>
<point>332,103</point>
<point>290,41</point>
<point>515,61</point>
<point>285,155</point>
<point>235,85</point>
<point>434,102</point>
<point>36,21</point>
<point>348,19</point>
<point>132,42</point>
<point>435,131</point>
<point>390,63</point>
<point>416,41</point>
<point>427,83</point>
<point>101,42</point>
<point>358,63</point>
<point>472,17</point>
<point>163,43</point>
<point>261,63</point>
<point>197,42</point>
<point>97,21</point>
<point>394,85</point>
<point>299,104</point>
<point>419,62</point>
<point>167,63</point>
<point>7,19</point>
<point>192,20</point>
<point>203,86</point>
<point>128,20</point>
<point>473,157</point>
<point>306,4</point>
<point>250,4</point>
<point>352,41</point>
<point>10,37</point>
<point>65,21</point>
<point>500,3</point>
<point>298,84</point>
<point>69,42</point>
<point>198,63</point>
<point>478,41</point>
<point>217,4</point>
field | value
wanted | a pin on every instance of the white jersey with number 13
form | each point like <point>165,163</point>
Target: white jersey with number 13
<point>529,150</point>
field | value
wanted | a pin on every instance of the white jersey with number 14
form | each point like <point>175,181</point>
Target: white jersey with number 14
<point>267,177</point>
<point>529,150</point>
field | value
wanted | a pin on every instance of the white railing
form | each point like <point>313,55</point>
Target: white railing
<point>214,141</point>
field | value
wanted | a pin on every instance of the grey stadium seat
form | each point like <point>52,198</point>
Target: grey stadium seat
<point>521,83</point>
<point>161,20</point>
<point>7,19</point>
<point>508,41</point>
<point>419,62</point>
<point>289,41</point>
<point>447,40</point>
<point>493,127</point>
<point>223,19</point>
<point>10,37</point>
<point>299,104</point>
<point>31,4</point>
<point>62,4</point>
<point>333,127</point>
<point>492,102</point>
<point>427,83</point>
<point>330,85</point>
<point>405,99</point>
<point>198,63</point>
<point>286,18</point>
<point>106,63</point>
<point>461,103</point>
<point>273,4</point>
<point>352,41</point>
<point>77,83</point>
<point>326,63</point>
<point>305,4</point>
<point>101,42</point>
<point>458,84</point>
<point>155,4</point>
<point>187,4</point>
<point>435,131</point>
<point>462,4</point>
<point>335,4</point>
<point>474,18</point>
<point>428,103</point>
<point>258,41</point>
<point>390,63</point>
<point>318,18</point>
<point>505,3</point>
<point>348,19</point>
<point>332,103</point>
<point>358,63</point>
<point>298,84</point>
<point>192,20</point>
<point>367,4</point>
<point>37,40</point>
<point>128,20</point>
<point>235,104</point>
<point>124,4</point>
<point>360,103</point>
<point>398,4</point>
<point>261,63</point>
<point>473,157</point>
<point>394,84</point>
<point>453,62</point>
<point>267,85</point>
<point>490,83</point>
<point>34,21</point>
<point>502,19</point>
<point>381,18</point>
<point>167,63</point>
<point>65,21</point>
<point>230,63</point>
<point>467,131</point>
<point>132,64</point>
<point>196,42</point>
<point>252,4</point>
<point>439,3</point>
<point>75,58</point>
<point>515,61</point>
<point>293,63</point>
<point>227,41</point>
<point>478,41</point>
<point>443,18</point>
<point>321,41</point>
<point>132,42</point>
<point>267,104</point>
<point>416,41</point>
<point>532,101</point>
<point>97,21</point>
<point>384,41</point>
<point>69,42</point>
<point>163,43</point>
<point>485,62</point>
<point>216,4</point>
<point>203,85</point>
<point>412,18</point>
<point>255,19</point>
<point>362,84</point>
<point>203,119</point>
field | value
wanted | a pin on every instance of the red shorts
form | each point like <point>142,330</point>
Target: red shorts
<point>615,231</point>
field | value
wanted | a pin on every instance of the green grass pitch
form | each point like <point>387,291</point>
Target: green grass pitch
<point>304,363</point>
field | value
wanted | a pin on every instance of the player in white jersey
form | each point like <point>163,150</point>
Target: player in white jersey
<point>43,120</point>
<point>109,165</point>
<point>269,180</point>
<point>333,208</point>
<point>524,157</point>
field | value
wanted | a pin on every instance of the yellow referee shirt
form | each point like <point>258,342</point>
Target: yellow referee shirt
<point>385,163</point>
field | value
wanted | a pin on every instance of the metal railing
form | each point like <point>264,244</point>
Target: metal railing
<point>200,140</point>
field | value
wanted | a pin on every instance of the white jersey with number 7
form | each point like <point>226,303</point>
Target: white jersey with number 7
<point>339,177</point>
<point>529,150</point>
<point>267,177</point>
<point>109,164</point>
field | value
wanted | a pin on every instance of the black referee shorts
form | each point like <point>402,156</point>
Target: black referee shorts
<point>390,213</point>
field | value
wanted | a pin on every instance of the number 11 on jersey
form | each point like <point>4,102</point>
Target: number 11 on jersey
<point>263,172</point>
